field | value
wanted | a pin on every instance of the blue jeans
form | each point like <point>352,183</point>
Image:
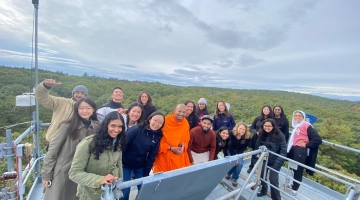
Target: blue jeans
<point>235,171</point>
<point>127,177</point>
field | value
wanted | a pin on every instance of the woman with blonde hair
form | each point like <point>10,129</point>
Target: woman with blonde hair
<point>240,140</point>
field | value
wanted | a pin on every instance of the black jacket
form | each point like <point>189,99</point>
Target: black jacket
<point>142,145</point>
<point>238,146</point>
<point>314,142</point>
<point>113,105</point>
<point>193,120</point>
<point>283,125</point>
<point>148,110</point>
<point>276,145</point>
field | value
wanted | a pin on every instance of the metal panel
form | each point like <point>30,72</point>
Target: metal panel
<point>194,182</point>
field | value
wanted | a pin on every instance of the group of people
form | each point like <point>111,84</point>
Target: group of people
<point>89,147</point>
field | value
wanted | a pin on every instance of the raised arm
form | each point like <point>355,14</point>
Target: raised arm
<point>42,94</point>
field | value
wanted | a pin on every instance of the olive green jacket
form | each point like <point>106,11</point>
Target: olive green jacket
<point>88,172</point>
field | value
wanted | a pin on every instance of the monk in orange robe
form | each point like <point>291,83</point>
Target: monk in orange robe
<point>172,152</point>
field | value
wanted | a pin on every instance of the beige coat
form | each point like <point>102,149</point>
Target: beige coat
<point>58,160</point>
<point>88,172</point>
<point>62,108</point>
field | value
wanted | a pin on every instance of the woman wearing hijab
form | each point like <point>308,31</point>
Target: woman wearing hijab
<point>303,146</point>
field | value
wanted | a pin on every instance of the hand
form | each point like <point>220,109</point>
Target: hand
<point>302,144</point>
<point>46,183</point>
<point>236,163</point>
<point>52,83</point>
<point>121,111</point>
<point>108,179</point>
<point>177,150</point>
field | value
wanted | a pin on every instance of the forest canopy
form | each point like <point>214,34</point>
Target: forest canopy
<point>338,120</point>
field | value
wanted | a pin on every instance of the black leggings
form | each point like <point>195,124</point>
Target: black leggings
<point>299,154</point>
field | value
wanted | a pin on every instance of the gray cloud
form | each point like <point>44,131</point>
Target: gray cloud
<point>192,42</point>
<point>128,66</point>
<point>248,61</point>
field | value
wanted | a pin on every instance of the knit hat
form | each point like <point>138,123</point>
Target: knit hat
<point>80,88</point>
<point>202,101</point>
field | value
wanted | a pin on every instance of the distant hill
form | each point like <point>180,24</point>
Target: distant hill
<point>338,97</point>
<point>338,119</point>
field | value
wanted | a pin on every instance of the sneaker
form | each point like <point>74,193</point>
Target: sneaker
<point>250,168</point>
<point>294,192</point>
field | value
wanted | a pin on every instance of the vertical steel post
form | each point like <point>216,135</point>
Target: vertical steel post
<point>36,114</point>
<point>10,163</point>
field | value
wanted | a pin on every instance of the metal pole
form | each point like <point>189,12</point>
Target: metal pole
<point>10,163</point>
<point>36,115</point>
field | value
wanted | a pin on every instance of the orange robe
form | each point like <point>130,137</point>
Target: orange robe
<point>173,134</point>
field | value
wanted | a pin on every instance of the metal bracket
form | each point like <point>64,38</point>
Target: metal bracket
<point>3,152</point>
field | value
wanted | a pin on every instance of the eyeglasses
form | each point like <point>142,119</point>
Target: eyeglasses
<point>160,123</point>
<point>268,126</point>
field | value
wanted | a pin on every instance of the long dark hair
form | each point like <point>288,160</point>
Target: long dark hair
<point>135,104</point>
<point>149,102</point>
<point>270,115</point>
<point>226,111</point>
<point>219,138</point>
<point>76,120</point>
<point>275,132</point>
<point>205,110</point>
<point>194,108</point>
<point>102,139</point>
<point>146,124</point>
<point>282,114</point>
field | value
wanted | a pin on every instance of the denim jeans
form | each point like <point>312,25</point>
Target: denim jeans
<point>235,170</point>
<point>127,177</point>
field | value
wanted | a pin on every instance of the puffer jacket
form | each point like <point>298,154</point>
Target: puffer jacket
<point>88,172</point>
<point>277,145</point>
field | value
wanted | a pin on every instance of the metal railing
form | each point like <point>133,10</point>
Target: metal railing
<point>16,188</point>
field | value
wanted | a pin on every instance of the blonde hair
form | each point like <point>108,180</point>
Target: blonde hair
<point>247,133</point>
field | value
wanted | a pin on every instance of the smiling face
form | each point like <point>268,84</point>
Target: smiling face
<point>117,95</point>
<point>144,98</point>
<point>135,113</point>
<point>298,117</point>
<point>115,128</point>
<point>268,127</point>
<point>179,112</point>
<point>224,134</point>
<point>206,125</point>
<point>241,130</point>
<point>156,122</point>
<point>277,111</point>
<point>79,95</point>
<point>189,109</point>
<point>221,106</point>
<point>266,111</point>
<point>201,106</point>
<point>85,110</point>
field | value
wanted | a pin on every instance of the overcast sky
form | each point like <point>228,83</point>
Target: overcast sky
<point>309,46</point>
